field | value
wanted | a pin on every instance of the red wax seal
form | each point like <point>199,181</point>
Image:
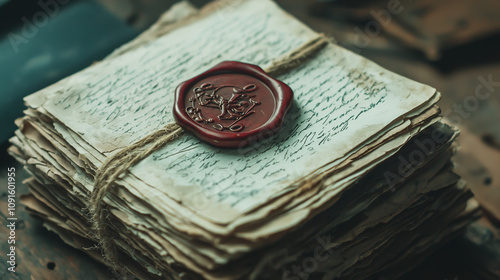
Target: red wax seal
<point>232,105</point>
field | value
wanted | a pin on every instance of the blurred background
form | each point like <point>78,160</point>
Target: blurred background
<point>453,46</point>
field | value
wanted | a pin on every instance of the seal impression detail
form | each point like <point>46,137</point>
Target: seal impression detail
<point>232,105</point>
<point>236,107</point>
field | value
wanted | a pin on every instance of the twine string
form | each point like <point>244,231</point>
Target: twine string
<point>119,163</point>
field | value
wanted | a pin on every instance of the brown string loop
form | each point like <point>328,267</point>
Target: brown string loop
<point>120,162</point>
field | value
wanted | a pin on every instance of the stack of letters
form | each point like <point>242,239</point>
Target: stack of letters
<point>357,183</point>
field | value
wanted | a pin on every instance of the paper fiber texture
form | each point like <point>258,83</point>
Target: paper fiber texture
<point>341,100</point>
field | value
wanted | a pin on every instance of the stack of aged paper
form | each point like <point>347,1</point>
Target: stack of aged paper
<point>358,181</point>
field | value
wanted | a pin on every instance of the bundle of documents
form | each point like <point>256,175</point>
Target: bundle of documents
<point>358,182</point>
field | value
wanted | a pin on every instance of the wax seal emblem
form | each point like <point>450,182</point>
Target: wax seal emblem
<point>232,104</point>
